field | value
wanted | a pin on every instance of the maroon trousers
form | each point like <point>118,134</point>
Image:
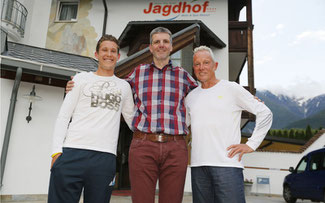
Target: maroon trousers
<point>150,161</point>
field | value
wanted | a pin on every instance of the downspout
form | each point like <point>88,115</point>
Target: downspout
<point>11,112</point>
<point>105,18</point>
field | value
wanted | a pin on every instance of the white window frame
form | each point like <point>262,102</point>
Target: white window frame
<point>59,7</point>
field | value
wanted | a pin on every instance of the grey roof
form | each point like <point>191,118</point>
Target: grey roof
<point>48,56</point>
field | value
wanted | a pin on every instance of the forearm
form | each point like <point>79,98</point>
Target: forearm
<point>128,109</point>
<point>63,119</point>
<point>263,124</point>
<point>247,102</point>
<point>60,131</point>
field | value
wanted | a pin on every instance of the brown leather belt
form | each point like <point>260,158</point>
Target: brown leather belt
<point>157,137</point>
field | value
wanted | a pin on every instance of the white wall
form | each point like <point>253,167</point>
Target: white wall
<point>37,22</point>
<point>96,17</point>
<point>274,161</point>
<point>28,161</point>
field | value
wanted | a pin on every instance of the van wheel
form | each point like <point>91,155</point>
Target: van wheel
<point>287,195</point>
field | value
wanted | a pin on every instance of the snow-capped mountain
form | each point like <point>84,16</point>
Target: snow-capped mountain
<point>287,110</point>
<point>314,105</point>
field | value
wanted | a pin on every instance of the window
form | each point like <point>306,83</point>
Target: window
<point>316,162</point>
<point>302,166</point>
<point>8,8</point>
<point>176,58</point>
<point>67,11</point>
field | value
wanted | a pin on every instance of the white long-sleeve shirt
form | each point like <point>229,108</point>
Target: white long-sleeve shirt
<point>215,115</point>
<point>95,105</point>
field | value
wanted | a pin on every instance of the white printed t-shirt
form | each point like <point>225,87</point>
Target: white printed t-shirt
<point>95,105</point>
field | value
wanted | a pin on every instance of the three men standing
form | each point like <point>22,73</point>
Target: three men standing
<point>158,150</point>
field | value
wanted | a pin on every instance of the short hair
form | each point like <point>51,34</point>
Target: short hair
<point>161,30</point>
<point>107,38</point>
<point>205,48</point>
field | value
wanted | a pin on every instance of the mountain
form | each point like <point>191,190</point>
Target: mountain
<point>314,105</point>
<point>292,112</point>
<point>284,108</point>
<point>315,121</point>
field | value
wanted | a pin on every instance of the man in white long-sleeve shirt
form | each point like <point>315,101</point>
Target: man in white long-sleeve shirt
<point>84,151</point>
<point>214,110</point>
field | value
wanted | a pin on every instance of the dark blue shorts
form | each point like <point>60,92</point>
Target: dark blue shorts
<point>78,170</point>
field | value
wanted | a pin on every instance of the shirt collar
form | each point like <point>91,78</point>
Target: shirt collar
<point>169,65</point>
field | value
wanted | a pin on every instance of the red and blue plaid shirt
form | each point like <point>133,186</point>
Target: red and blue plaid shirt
<point>159,96</point>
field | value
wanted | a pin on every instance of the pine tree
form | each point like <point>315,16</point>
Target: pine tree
<point>285,133</point>
<point>302,134</point>
<point>298,134</point>
<point>309,133</point>
<point>292,133</point>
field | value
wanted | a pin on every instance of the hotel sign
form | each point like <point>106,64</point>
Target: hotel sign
<point>173,10</point>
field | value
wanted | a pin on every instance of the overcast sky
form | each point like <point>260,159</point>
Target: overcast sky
<point>289,46</point>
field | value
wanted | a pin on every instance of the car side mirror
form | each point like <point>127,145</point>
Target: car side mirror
<point>291,169</point>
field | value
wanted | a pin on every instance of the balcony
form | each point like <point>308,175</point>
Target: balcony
<point>13,17</point>
<point>238,36</point>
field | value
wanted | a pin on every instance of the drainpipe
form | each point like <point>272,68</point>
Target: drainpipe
<point>11,112</point>
<point>105,18</point>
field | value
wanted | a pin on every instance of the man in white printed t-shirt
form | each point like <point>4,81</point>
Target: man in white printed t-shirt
<point>84,151</point>
<point>214,110</point>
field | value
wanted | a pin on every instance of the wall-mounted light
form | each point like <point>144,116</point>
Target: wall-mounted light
<point>31,97</point>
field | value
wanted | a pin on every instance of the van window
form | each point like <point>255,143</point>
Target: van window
<point>302,165</point>
<point>317,162</point>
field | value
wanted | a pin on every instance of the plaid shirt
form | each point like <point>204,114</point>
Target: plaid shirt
<point>159,96</point>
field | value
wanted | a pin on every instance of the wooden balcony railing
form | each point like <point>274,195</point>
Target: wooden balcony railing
<point>238,36</point>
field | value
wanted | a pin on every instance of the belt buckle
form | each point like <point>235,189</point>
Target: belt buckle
<point>161,138</point>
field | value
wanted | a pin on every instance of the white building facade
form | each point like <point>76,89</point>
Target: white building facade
<point>73,27</point>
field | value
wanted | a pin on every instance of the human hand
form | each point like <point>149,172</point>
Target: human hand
<point>258,99</point>
<point>69,86</point>
<point>55,158</point>
<point>240,149</point>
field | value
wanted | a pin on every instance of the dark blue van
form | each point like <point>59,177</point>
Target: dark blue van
<point>307,180</point>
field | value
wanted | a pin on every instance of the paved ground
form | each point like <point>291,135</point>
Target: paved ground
<point>187,199</point>
<point>249,199</point>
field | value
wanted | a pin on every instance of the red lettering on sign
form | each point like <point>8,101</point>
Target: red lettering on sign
<point>166,10</point>
<point>157,9</point>
<point>177,8</point>
<point>181,7</point>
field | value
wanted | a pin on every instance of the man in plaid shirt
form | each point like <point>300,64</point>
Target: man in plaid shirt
<point>158,150</point>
